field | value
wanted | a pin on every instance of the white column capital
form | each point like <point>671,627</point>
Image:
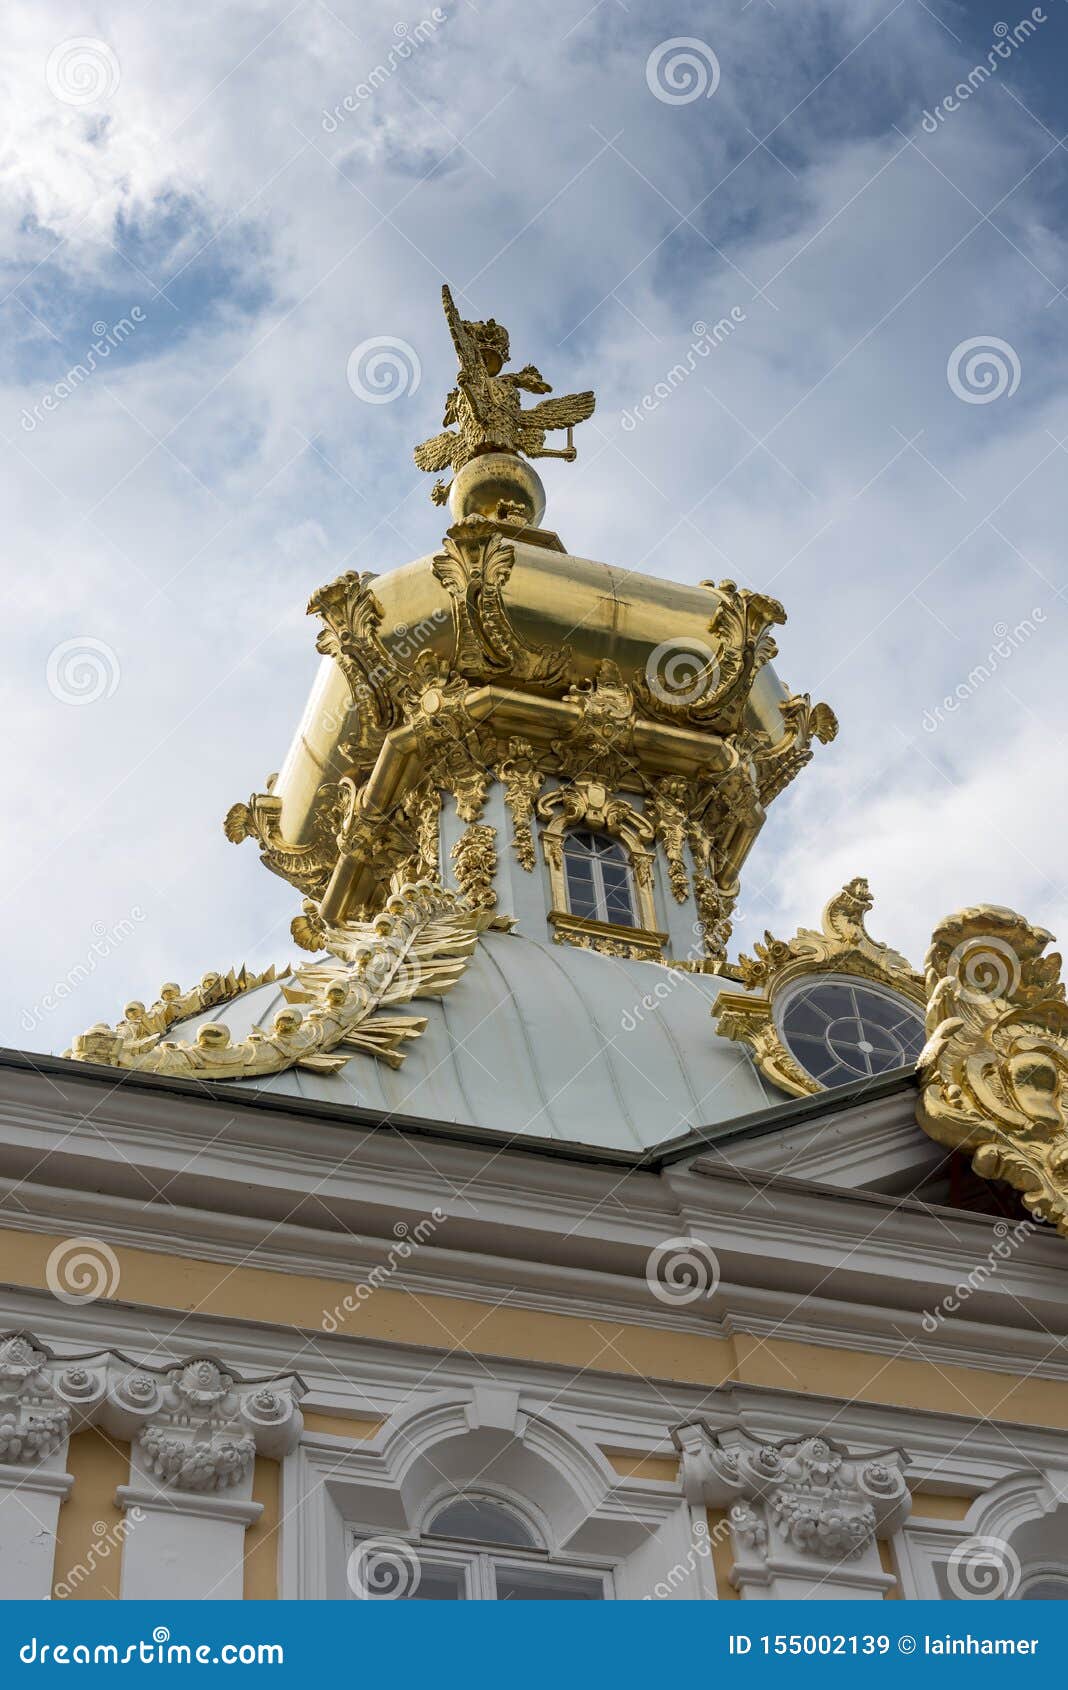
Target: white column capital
<point>805,1514</point>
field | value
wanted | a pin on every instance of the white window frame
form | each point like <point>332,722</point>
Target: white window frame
<point>600,896</point>
<point>479,1561</point>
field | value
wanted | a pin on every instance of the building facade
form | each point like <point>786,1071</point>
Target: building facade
<point>518,1243</point>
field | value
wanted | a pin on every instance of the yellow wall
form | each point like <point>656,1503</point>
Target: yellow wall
<point>341,1425</point>
<point>722,1554</point>
<point>932,1505</point>
<point>631,1464</point>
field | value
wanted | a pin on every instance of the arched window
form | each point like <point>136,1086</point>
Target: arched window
<point>1050,1584</point>
<point>472,1549</point>
<point>476,1519</point>
<point>599,885</point>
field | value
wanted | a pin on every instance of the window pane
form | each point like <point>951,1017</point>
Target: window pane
<point>581,897</point>
<point>438,1583</point>
<point>388,1570</point>
<point>1047,1587</point>
<point>477,1520</point>
<point>537,1584</point>
<point>580,870</point>
<point>619,906</point>
<point>580,842</point>
<point>610,849</point>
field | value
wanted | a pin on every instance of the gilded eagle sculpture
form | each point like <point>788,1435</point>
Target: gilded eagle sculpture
<point>485,409</point>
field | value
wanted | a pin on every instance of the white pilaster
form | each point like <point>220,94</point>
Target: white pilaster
<point>194,1433</point>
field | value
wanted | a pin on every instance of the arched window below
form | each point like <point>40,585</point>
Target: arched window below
<point>599,881</point>
<point>472,1549</point>
<point>1048,1585</point>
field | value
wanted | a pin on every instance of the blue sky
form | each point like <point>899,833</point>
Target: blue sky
<point>173,513</point>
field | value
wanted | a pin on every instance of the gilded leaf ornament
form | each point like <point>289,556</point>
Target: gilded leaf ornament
<point>434,699</point>
<point>474,567</point>
<point>417,947</point>
<point>600,746</point>
<point>994,1071</point>
<point>843,944</point>
<point>669,810</point>
<point>308,866</point>
<point>779,762</point>
<point>741,643</point>
<point>352,617</point>
<point>474,859</point>
<point>522,782</point>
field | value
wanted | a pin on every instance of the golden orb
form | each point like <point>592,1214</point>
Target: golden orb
<point>498,485</point>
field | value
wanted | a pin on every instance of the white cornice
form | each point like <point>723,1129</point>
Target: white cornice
<point>946,1452</point>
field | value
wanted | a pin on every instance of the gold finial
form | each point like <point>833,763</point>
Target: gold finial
<point>492,428</point>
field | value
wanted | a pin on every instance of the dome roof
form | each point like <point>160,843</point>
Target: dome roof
<point>545,1042</point>
<point>586,612</point>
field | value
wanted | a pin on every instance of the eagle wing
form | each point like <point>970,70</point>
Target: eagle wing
<point>562,412</point>
<point>435,454</point>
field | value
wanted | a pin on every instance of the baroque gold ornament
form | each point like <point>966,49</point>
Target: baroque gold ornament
<point>474,858</point>
<point>740,626</point>
<point>522,783</point>
<point>842,945</point>
<point>668,809</point>
<point>474,567</point>
<point>417,947</point>
<point>307,866</point>
<point>994,1071</point>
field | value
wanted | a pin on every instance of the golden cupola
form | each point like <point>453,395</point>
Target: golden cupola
<point>476,706</point>
<point>524,775</point>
